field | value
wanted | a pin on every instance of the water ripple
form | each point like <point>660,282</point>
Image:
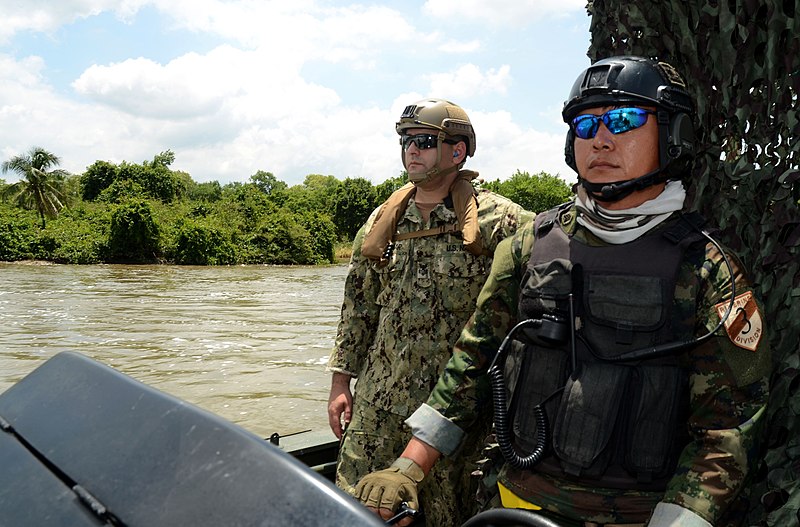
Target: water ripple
<point>249,343</point>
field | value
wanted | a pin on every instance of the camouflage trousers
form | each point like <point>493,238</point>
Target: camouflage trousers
<point>375,438</point>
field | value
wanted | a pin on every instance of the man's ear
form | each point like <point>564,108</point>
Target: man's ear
<point>460,149</point>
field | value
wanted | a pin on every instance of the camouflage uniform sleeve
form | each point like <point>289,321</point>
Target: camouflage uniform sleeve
<point>462,390</point>
<point>511,218</point>
<point>359,316</point>
<point>728,394</point>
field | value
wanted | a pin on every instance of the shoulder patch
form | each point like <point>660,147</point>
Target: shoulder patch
<point>744,325</point>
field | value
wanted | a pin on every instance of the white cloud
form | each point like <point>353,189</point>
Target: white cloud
<point>348,142</point>
<point>35,115</point>
<point>46,16</point>
<point>140,87</point>
<point>251,104</point>
<point>468,80</point>
<point>503,147</point>
<point>459,47</point>
<point>516,13</point>
<point>351,32</point>
<point>305,30</point>
<point>248,22</point>
<point>250,85</point>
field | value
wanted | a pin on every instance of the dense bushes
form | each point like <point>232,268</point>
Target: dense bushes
<point>323,235</point>
<point>280,239</point>
<point>198,243</point>
<point>76,236</point>
<point>536,193</point>
<point>148,214</point>
<point>134,234</point>
<point>154,178</point>
<point>18,233</point>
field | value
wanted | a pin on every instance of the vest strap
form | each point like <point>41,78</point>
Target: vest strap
<point>688,223</point>
<point>465,202</point>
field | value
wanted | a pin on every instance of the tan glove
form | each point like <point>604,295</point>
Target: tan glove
<point>388,488</point>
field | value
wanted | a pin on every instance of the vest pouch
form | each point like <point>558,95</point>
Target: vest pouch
<point>512,370</point>
<point>624,312</point>
<point>541,372</point>
<point>545,289</point>
<point>652,451</point>
<point>587,417</point>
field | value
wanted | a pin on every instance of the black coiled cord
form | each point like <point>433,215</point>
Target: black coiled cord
<point>501,424</point>
<point>503,430</point>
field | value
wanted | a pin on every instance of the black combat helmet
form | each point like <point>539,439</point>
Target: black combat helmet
<point>638,81</point>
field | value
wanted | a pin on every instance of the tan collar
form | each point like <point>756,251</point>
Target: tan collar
<point>383,230</point>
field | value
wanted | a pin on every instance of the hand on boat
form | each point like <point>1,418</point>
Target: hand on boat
<point>385,490</point>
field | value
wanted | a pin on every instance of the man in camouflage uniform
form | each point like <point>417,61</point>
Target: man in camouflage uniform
<point>644,345</point>
<point>417,267</point>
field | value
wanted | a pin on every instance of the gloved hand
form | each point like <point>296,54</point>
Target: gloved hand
<point>388,488</point>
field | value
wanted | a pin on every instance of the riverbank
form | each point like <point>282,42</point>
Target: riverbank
<point>341,254</point>
<point>343,251</point>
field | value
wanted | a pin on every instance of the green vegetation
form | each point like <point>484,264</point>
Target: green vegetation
<point>39,188</point>
<point>536,193</point>
<point>148,213</point>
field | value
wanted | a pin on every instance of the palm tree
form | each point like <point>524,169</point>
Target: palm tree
<point>38,188</point>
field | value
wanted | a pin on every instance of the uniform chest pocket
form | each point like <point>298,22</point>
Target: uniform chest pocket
<point>460,276</point>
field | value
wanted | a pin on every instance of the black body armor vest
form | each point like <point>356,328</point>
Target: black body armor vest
<point>614,424</point>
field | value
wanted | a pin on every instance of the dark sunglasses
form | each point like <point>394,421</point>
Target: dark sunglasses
<point>618,121</point>
<point>423,141</point>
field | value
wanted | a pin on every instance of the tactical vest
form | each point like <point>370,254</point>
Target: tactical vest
<point>613,424</point>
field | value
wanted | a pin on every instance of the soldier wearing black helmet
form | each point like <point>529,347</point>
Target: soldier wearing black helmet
<point>656,88</point>
<point>624,343</point>
<point>416,270</point>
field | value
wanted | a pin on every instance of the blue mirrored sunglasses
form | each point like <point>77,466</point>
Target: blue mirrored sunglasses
<point>618,121</point>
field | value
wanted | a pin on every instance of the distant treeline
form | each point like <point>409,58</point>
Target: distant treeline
<point>148,213</point>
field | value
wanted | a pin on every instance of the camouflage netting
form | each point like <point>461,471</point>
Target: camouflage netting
<point>741,59</point>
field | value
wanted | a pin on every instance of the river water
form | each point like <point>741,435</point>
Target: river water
<point>248,343</point>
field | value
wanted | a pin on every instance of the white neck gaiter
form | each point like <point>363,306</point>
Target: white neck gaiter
<point>623,226</point>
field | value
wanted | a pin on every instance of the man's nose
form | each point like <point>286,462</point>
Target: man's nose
<point>412,148</point>
<point>603,138</point>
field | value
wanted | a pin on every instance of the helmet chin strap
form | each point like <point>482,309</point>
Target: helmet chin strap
<point>617,190</point>
<point>435,172</point>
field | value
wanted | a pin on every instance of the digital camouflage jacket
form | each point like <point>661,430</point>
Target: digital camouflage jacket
<point>399,321</point>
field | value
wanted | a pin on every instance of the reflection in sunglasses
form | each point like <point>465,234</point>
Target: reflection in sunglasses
<point>618,121</point>
<point>423,141</point>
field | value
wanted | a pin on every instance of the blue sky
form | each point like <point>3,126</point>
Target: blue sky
<point>293,88</point>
